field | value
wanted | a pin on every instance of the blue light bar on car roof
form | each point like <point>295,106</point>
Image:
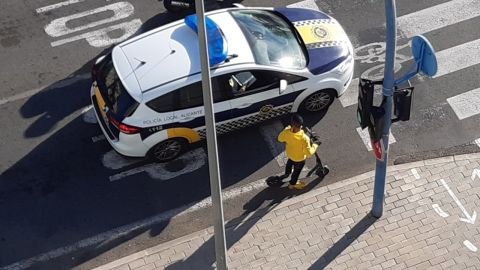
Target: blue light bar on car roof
<point>217,45</point>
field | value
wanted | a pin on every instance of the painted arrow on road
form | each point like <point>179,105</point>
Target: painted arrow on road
<point>469,219</point>
<point>476,172</point>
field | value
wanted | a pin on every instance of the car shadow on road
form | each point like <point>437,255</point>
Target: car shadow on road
<point>254,210</point>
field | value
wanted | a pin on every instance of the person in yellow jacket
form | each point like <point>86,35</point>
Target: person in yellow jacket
<point>298,149</point>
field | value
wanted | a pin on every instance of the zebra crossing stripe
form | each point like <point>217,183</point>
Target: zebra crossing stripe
<point>437,17</point>
<point>466,104</point>
<point>433,18</point>
<point>458,57</point>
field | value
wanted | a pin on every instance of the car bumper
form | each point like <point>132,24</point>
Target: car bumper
<point>130,145</point>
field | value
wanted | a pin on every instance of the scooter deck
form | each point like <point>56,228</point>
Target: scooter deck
<point>276,181</point>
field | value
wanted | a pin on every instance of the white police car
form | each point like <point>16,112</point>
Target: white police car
<point>265,62</point>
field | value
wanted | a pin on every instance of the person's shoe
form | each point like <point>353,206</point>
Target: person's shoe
<point>299,185</point>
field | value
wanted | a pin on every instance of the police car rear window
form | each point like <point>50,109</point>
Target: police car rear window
<point>116,96</point>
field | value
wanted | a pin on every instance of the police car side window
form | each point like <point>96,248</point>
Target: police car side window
<point>187,97</point>
<point>183,98</point>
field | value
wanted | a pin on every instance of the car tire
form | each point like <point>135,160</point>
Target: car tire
<point>178,5</point>
<point>168,150</point>
<point>318,101</point>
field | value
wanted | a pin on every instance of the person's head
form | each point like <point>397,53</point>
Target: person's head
<point>296,122</point>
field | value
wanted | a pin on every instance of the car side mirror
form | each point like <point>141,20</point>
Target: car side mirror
<point>283,86</point>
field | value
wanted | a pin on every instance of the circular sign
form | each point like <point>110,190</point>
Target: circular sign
<point>320,32</point>
<point>424,55</point>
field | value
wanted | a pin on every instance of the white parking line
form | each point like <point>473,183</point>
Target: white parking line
<point>113,160</point>
<point>192,161</point>
<point>466,104</point>
<point>477,141</point>
<point>366,138</point>
<point>63,83</point>
<point>57,5</point>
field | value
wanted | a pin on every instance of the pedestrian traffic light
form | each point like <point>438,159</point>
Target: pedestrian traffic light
<point>365,102</point>
<point>377,118</point>
<point>402,102</point>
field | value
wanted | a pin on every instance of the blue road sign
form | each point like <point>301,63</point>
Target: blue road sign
<point>424,56</point>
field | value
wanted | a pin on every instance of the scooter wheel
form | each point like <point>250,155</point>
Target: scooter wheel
<point>322,172</point>
<point>274,181</point>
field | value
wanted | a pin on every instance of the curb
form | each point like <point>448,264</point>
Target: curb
<point>312,193</point>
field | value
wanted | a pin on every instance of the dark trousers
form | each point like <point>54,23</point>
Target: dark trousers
<point>297,168</point>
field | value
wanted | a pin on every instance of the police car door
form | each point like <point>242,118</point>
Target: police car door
<point>190,112</point>
<point>257,93</point>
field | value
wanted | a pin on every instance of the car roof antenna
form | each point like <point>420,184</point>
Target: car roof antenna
<point>230,56</point>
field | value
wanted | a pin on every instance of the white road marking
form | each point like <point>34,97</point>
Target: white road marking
<point>477,141</point>
<point>466,104</point>
<point>366,138</point>
<point>89,115</point>
<point>270,133</point>
<point>57,5</point>
<point>470,246</point>
<point>58,27</point>
<point>469,219</point>
<point>350,97</point>
<point>475,173</point>
<point>113,160</point>
<point>305,4</point>
<point>193,160</point>
<point>438,16</point>
<point>97,138</point>
<point>439,210</point>
<point>100,38</point>
<point>458,57</point>
<point>424,21</point>
<point>127,229</point>
<point>415,173</point>
<point>63,83</point>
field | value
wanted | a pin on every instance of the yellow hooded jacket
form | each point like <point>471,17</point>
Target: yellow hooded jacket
<point>298,146</point>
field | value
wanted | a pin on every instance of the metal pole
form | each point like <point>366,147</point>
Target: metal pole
<point>388,88</point>
<point>215,185</point>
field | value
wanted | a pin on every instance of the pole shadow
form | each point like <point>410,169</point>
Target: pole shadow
<point>344,242</point>
<point>236,229</point>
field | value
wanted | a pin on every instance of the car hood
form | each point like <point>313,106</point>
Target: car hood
<point>326,42</point>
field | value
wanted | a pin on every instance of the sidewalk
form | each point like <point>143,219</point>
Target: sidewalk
<point>428,223</point>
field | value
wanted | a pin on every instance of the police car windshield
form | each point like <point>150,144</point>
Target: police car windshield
<point>271,38</point>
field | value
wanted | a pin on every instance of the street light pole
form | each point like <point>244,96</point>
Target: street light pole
<point>388,89</point>
<point>215,184</point>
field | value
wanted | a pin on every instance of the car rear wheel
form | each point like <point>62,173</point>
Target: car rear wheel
<point>318,101</point>
<point>168,149</point>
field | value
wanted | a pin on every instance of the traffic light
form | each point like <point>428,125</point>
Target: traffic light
<point>377,118</point>
<point>365,102</point>
<point>402,103</point>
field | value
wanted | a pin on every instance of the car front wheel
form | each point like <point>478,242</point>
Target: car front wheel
<point>318,101</point>
<point>168,149</point>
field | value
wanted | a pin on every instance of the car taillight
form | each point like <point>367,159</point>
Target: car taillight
<point>127,129</point>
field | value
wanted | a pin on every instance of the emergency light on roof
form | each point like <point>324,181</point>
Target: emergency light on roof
<point>217,45</point>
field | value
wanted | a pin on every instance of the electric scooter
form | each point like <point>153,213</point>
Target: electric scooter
<point>319,169</point>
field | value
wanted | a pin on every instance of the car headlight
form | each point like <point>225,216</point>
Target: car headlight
<point>344,65</point>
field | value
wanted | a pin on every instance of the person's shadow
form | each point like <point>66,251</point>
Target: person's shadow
<point>235,229</point>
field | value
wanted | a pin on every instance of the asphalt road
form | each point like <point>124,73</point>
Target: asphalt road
<point>67,201</point>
